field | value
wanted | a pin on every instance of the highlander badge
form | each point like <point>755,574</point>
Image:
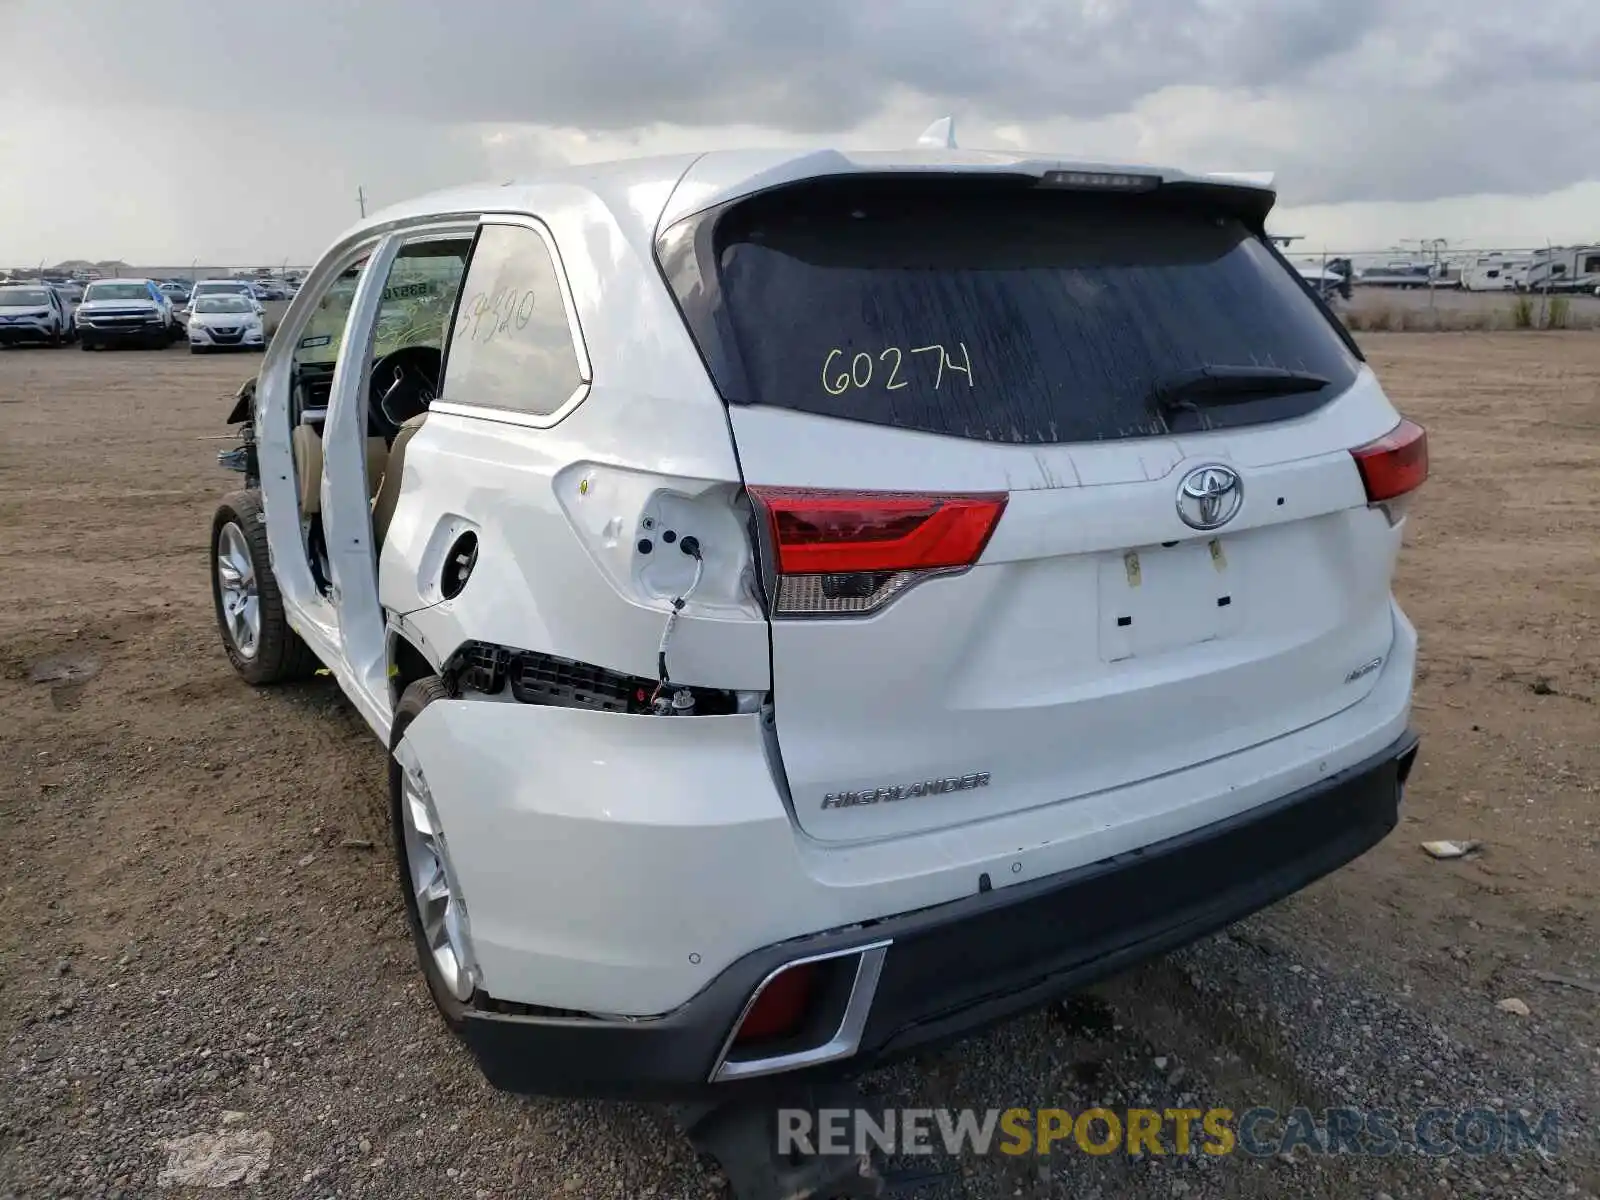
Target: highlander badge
<point>909,791</point>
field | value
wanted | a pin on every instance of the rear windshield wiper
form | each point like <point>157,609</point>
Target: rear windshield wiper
<point>1219,384</point>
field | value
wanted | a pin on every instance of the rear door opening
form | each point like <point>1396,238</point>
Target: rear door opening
<point>1049,485</point>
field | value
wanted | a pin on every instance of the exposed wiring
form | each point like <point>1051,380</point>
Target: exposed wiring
<point>691,547</point>
<point>411,612</point>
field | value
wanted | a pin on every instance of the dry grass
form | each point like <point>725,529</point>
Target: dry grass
<point>1378,315</point>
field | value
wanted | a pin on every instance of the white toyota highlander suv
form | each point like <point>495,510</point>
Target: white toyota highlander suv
<point>818,604</point>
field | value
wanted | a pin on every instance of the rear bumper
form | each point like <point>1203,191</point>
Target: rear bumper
<point>955,967</point>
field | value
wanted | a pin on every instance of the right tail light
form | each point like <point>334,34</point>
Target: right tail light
<point>1393,467</point>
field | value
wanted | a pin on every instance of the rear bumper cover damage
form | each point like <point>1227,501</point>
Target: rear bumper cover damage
<point>955,967</point>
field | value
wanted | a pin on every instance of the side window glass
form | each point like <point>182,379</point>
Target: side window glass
<point>320,340</point>
<point>512,344</point>
<point>419,295</point>
<point>406,347</point>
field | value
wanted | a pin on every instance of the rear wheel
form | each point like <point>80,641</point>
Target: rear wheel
<point>255,631</point>
<point>434,905</point>
<point>85,345</point>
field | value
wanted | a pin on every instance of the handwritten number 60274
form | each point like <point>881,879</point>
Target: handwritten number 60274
<point>840,375</point>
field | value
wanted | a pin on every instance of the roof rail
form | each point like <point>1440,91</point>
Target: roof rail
<point>941,135</point>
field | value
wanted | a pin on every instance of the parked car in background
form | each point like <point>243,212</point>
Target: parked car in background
<point>225,321</point>
<point>176,292</point>
<point>34,312</point>
<point>126,312</point>
<point>71,290</point>
<point>225,287</point>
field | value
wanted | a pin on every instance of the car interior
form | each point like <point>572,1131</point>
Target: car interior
<point>406,357</point>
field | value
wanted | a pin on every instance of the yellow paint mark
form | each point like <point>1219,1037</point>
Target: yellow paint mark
<point>1131,561</point>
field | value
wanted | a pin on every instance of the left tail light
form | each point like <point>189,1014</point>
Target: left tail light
<point>1393,467</point>
<point>850,553</point>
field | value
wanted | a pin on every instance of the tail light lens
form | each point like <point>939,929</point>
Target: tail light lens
<point>1393,467</point>
<point>850,553</point>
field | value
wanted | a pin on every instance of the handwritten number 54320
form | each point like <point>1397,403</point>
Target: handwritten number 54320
<point>839,376</point>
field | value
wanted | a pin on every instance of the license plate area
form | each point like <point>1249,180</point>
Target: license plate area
<point>1157,599</point>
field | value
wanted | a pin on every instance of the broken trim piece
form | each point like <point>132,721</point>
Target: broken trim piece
<point>533,677</point>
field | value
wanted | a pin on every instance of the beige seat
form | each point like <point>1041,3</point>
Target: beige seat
<point>388,492</point>
<point>307,446</point>
<point>377,462</point>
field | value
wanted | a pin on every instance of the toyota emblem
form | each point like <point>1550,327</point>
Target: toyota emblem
<point>1210,497</point>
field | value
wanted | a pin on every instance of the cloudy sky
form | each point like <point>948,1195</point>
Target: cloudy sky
<point>157,131</point>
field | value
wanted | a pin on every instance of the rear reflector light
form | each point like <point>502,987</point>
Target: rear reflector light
<point>1394,465</point>
<point>849,553</point>
<point>780,1010</point>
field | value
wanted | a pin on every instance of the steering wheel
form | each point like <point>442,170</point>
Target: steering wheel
<point>404,383</point>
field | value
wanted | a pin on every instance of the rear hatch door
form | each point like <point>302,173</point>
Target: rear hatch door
<point>1019,546</point>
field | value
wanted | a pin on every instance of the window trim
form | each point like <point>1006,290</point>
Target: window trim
<point>512,416</point>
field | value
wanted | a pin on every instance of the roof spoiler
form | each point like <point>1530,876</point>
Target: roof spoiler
<point>1260,179</point>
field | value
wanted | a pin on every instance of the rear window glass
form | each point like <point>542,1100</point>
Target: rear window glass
<point>1005,314</point>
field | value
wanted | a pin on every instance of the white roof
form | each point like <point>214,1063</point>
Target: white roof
<point>645,194</point>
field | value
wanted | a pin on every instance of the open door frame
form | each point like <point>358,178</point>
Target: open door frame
<point>346,507</point>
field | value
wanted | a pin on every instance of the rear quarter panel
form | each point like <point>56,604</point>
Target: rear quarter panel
<point>650,423</point>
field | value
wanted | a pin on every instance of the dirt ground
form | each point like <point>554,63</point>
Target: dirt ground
<point>200,928</point>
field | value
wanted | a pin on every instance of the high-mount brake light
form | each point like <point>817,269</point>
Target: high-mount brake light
<point>1104,181</point>
<point>1393,467</point>
<point>850,553</point>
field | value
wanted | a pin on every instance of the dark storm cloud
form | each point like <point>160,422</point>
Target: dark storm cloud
<point>1392,99</point>
<point>615,64</point>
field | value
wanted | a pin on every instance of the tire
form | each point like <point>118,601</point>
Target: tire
<point>416,697</point>
<point>277,654</point>
<point>85,345</point>
<point>193,349</point>
<point>57,338</point>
